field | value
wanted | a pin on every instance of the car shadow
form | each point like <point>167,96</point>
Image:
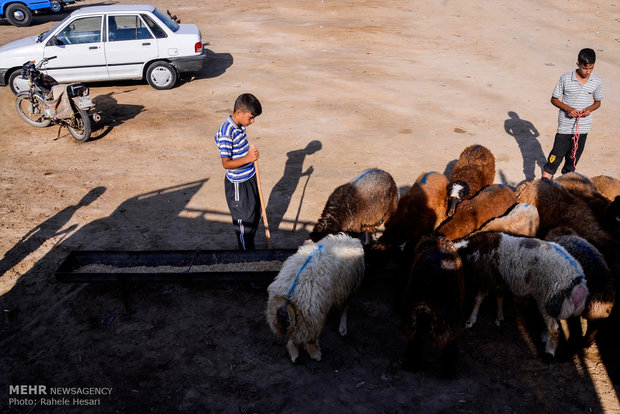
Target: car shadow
<point>217,64</point>
<point>112,114</point>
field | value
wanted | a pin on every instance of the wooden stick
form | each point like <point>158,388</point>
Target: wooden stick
<point>262,206</point>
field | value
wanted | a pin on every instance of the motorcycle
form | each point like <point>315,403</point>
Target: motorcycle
<point>49,102</point>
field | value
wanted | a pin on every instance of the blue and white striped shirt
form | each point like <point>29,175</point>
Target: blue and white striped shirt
<point>572,93</point>
<point>233,143</point>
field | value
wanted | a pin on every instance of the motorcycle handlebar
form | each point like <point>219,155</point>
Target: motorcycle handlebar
<point>45,60</point>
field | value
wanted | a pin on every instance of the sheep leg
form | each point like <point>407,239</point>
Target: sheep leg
<point>292,350</point>
<point>314,350</point>
<point>553,330</point>
<point>474,313</point>
<point>343,321</point>
<point>591,332</point>
<point>500,308</point>
<point>449,357</point>
<point>413,359</point>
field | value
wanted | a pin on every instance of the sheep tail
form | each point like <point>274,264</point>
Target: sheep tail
<point>283,321</point>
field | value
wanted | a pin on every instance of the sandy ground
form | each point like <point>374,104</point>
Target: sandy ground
<point>345,85</point>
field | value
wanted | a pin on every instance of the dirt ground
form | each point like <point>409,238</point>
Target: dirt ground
<point>345,85</point>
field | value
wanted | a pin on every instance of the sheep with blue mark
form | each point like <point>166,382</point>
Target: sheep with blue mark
<point>359,206</point>
<point>319,277</point>
<point>474,170</point>
<point>433,303</point>
<point>419,211</point>
<point>601,284</point>
<point>557,207</point>
<point>525,266</point>
<point>493,201</point>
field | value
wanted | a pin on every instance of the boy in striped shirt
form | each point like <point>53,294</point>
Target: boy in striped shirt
<point>576,95</point>
<point>238,158</point>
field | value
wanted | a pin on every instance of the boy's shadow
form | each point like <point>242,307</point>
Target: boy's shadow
<point>282,191</point>
<point>526,136</point>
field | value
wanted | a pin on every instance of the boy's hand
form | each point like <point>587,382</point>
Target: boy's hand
<point>253,153</point>
<point>572,112</point>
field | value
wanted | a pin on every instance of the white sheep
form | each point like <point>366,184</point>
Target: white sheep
<point>601,284</point>
<point>318,278</point>
<point>526,266</point>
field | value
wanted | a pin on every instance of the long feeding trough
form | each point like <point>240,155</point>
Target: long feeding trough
<point>172,266</point>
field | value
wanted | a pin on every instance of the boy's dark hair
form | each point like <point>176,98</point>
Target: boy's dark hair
<point>248,103</point>
<point>586,56</point>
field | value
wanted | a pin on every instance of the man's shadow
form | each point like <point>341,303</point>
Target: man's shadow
<point>46,230</point>
<point>526,136</point>
<point>283,191</point>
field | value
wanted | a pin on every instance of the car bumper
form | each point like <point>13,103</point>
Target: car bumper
<point>3,72</point>
<point>190,63</point>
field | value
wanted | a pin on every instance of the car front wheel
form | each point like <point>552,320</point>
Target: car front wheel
<point>17,83</point>
<point>161,75</point>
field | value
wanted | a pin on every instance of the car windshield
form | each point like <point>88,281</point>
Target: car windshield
<point>172,25</point>
<point>44,35</point>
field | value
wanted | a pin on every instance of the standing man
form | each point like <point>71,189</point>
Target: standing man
<point>576,95</point>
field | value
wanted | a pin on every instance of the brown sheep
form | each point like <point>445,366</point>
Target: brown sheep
<point>419,211</point>
<point>493,201</point>
<point>582,187</point>
<point>433,304</point>
<point>557,207</point>
<point>520,220</point>
<point>474,170</point>
<point>609,187</point>
<point>358,206</point>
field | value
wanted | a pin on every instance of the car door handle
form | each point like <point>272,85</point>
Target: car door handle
<point>93,47</point>
<point>146,44</point>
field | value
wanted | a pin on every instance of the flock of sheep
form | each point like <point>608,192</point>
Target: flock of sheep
<point>456,240</point>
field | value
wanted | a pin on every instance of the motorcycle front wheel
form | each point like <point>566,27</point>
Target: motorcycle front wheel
<point>79,125</point>
<point>32,111</point>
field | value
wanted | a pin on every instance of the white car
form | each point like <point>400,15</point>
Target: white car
<point>103,43</point>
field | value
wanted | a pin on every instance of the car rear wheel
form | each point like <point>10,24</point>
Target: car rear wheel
<point>57,6</point>
<point>161,75</point>
<point>16,83</point>
<point>18,15</point>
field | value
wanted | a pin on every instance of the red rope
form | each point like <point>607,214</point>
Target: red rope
<point>575,139</point>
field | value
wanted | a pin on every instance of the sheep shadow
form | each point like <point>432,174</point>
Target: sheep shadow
<point>112,113</point>
<point>282,192</point>
<point>526,134</point>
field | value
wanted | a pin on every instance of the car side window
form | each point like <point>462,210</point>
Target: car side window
<point>127,27</point>
<point>80,31</point>
<point>155,28</point>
